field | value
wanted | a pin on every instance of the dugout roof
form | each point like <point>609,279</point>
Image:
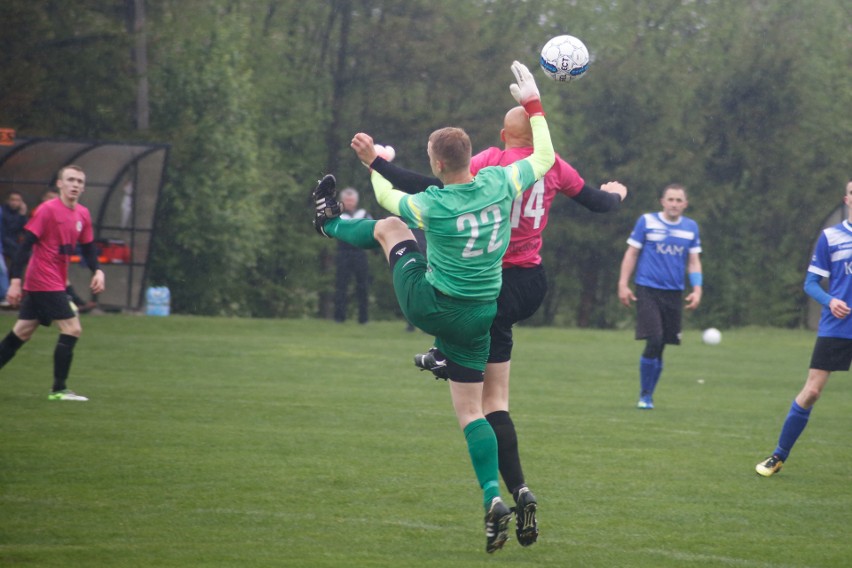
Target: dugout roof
<point>123,184</point>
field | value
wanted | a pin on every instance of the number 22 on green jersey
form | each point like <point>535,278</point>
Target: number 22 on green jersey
<point>488,215</point>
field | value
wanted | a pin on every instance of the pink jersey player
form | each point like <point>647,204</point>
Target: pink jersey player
<point>530,210</point>
<point>58,229</point>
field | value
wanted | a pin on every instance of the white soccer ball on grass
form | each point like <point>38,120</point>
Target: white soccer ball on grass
<point>711,336</point>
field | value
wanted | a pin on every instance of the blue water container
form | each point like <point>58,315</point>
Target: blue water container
<point>158,301</point>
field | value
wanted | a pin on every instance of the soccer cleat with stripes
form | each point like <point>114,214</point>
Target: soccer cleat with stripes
<point>497,525</point>
<point>769,466</point>
<point>66,395</point>
<point>327,206</point>
<point>429,362</point>
<point>526,526</point>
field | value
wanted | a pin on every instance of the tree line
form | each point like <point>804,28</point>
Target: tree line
<point>745,103</point>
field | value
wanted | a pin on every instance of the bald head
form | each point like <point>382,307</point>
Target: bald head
<point>516,131</point>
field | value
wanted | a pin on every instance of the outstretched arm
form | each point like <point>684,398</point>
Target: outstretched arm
<point>607,198</point>
<point>543,154</point>
<point>378,158</point>
<point>526,93</point>
<point>386,195</point>
<point>406,180</point>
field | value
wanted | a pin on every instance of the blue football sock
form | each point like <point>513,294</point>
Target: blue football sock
<point>647,370</point>
<point>795,423</point>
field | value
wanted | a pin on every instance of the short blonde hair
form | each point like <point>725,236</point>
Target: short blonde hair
<point>74,167</point>
<point>452,146</point>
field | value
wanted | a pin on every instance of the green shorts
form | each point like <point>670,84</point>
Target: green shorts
<point>461,327</point>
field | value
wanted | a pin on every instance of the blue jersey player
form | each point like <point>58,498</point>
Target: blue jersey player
<point>833,349</point>
<point>662,248</point>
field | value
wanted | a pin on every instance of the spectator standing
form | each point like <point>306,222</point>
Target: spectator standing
<point>351,262</point>
<point>13,217</point>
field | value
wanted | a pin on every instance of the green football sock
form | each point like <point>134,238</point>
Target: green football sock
<point>356,232</point>
<point>482,446</point>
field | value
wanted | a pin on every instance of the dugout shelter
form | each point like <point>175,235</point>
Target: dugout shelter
<point>123,184</point>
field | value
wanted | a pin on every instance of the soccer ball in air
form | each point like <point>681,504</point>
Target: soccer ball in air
<point>711,336</point>
<point>564,58</point>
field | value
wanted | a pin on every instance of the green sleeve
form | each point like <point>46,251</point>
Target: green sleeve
<point>386,195</point>
<point>543,155</point>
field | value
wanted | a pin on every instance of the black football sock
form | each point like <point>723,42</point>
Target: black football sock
<point>62,356</point>
<point>8,347</point>
<point>507,450</point>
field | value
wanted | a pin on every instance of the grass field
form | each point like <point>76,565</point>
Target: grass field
<point>227,442</point>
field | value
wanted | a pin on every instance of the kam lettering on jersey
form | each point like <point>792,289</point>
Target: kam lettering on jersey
<point>665,250</point>
<point>675,250</point>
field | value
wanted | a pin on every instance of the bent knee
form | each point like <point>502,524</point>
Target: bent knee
<point>25,329</point>
<point>71,327</point>
<point>389,224</point>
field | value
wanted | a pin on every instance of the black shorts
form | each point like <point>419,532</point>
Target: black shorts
<point>659,314</point>
<point>832,354</point>
<point>520,296</point>
<point>46,307</point>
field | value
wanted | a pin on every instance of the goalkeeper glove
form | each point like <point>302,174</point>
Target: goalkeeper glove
<point>525,90</point>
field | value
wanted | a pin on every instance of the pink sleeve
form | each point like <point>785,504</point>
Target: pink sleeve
<point>36,223</point>
<point>488,157</point>
<point>86,235</point>
<point>565,178</point>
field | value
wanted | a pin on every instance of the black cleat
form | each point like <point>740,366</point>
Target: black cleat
<point>526,525</point>
<point>497,525</point>
<point>429,362</point>
<point>327,206</point>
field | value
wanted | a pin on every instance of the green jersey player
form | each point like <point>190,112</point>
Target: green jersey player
<point>453,295</point>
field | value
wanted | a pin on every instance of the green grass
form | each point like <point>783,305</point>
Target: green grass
<point>228,442</point>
